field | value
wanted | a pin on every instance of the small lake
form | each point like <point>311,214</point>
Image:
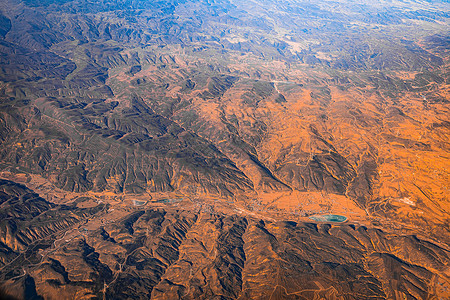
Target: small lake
<point>139,203</point>
<point>329,218</point>
<point>169,200</point>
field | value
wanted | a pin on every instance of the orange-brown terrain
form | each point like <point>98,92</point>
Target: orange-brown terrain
<point>222,149</point>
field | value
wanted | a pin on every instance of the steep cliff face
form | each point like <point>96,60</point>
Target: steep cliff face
<point>175,149</point>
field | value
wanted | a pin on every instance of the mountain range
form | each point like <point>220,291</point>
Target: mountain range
<point>220,149</point>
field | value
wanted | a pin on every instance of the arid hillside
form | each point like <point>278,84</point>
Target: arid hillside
<point>224,149</point>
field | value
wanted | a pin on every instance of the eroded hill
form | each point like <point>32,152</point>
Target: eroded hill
<point>142,124</point>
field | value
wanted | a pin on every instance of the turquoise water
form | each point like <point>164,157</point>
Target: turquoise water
<point>139,203</point>
<point>329,218</point>
<point>169,200</point>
